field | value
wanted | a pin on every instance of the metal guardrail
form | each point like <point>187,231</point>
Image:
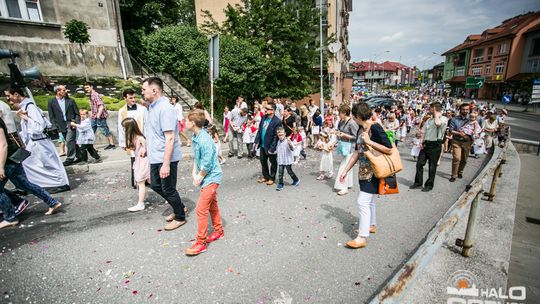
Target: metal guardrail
<point>396,287</point>
<point>147,71</point>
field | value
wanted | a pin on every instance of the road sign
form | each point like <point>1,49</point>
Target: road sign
<point>535,96</point>
<point>474,82</point>
<point>506,99</point>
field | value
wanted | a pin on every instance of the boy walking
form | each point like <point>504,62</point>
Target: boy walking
<point>206,174</point>
<point>285,158</point>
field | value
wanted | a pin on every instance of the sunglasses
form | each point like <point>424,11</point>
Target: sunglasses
<point>269,109</point>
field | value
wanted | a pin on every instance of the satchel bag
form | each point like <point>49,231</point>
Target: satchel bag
<point>21,154</point>
<point>388,185</point>
<point>384,165</point>
<point>344,148</point>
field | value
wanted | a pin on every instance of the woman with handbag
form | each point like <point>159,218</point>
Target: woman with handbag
<point>371,135</point>
<point>347,129</point>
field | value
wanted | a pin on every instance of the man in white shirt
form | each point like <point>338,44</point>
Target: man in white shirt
<point>7,117</point>
<point>237,118</point>
<point>240,103</point>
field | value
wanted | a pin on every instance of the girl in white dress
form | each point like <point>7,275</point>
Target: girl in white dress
<point>326,166</point>
<point>141,166</point>
<point>415,151</point>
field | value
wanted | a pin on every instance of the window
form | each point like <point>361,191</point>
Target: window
<point>533,66</point>
<point>535,48</point>
<point>460,72</point>
<point>488,69</point>
<point>21,9</point>
<point>499,68</point>
<point>478,55</point>
<point>503,48</point>
<point>476,71</point>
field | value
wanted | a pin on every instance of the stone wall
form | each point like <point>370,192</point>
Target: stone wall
<point>43,44</point>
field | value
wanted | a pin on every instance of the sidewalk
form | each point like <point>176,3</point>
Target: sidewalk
<point>512,107</point>
<point>487,267</point>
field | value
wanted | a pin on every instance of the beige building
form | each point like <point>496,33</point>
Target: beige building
<point>34,29</point>
<point>335,23</point>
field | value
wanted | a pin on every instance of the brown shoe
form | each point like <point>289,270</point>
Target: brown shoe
<point>356,244</point>
<point>373,229</point>
<point>261,180</point>
<point>5,224</point>
<point>174,224</point>
<point>270,182</point>
<point>53,209</point>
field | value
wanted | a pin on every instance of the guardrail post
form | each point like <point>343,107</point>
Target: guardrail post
<point>494,181</point>
<point>467,243</point>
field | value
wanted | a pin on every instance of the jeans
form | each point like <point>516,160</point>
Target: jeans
<point>15,173</point>
<point>430,153</point>
<point>238,137</point>
<point>88,149</point>
<point>166,188</point>
<point>264,157</point>
<point>289,170</point>
<point>367,214</point>
<point>101,123</point>
<point>207,203</point>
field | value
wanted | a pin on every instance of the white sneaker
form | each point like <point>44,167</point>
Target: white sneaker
<point>138,207</point>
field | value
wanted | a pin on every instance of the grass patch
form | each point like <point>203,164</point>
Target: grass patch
<point>112,104</point>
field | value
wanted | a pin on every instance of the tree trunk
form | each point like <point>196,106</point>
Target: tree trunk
<point>84,62</point>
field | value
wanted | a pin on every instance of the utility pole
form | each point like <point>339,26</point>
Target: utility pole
<point>321,100</point>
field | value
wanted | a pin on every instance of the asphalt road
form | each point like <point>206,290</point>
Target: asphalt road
<point>279,247</point>
<point>524,125</point>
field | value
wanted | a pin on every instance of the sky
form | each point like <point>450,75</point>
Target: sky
<point>413,30</point>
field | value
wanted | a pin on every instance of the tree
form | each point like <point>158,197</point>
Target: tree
<point>77,32</point>
<point>286,33</point>
<point>181,51</point>
<point>142,17</point>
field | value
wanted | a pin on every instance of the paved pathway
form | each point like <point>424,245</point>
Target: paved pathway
<point>279,246</point>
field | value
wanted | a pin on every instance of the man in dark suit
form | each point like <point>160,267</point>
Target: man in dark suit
<point>266,139</point>
<point>62,111</point>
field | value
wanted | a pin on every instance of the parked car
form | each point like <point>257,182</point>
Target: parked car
<point>382,102</point>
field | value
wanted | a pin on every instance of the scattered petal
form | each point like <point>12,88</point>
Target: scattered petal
<point>135,292</point>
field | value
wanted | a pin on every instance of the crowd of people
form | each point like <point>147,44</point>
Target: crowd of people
<point>277,132</point>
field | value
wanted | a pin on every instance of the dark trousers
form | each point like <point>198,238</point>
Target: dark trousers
<point>87,149</point>
<point>431,152</point>
<point>166,188</point>
<point>264,157</point>
<point>133,184</point>
<point>249,147</point>
<point>289,170</point>
<point>72,150</point>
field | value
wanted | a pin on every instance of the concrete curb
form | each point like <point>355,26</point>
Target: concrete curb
<point>398,285</point>
<point>526,146</point>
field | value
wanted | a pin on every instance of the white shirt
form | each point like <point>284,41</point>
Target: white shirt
<point>62,103</point>
<point>179,111</point>
<point>7,117</point>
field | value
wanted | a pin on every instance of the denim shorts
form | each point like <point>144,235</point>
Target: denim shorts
<point>101,123</point>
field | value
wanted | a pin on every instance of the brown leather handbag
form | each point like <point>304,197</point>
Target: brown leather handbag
<point>384,165</point>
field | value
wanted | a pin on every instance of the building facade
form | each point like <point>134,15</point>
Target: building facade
<point>386,73</point>
<point>335,23</point>
<point>34,29</point>
<point>502,56</point>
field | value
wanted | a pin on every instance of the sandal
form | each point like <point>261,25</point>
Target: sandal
<point>343,192</point>
<point>320,177</point>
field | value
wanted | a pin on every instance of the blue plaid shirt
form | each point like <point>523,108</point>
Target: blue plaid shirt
<point>205,157</point>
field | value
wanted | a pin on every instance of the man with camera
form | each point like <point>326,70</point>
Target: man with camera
<point>433,133</point>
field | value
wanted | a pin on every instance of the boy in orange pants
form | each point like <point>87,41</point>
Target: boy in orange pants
<point>206,174</point>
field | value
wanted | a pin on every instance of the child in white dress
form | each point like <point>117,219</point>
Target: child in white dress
<point>415,151</point>
<point>326,166</point>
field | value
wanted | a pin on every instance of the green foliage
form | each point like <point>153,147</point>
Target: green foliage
<point>286,34</point>
<point>180,51</point>
<point>76,32</point>
<point>142,17</point>
<point>112,104</point>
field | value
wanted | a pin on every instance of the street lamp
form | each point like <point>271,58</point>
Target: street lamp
<point>373,63</point>
<point>425,59</point>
